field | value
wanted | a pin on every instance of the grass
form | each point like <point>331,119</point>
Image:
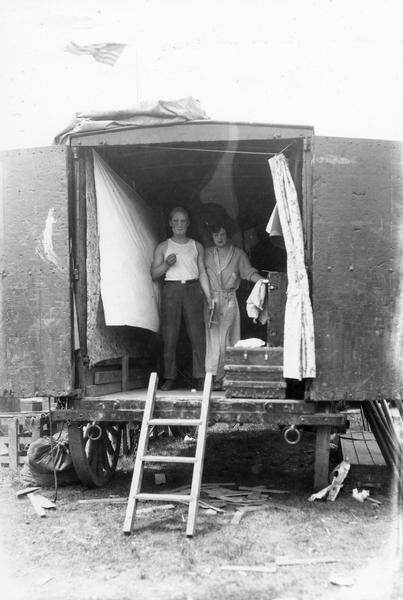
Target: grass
<point>83,548</point>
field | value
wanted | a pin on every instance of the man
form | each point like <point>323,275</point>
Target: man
<point>180,260</point>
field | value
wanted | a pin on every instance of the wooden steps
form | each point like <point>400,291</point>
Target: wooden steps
<point>254,373</point>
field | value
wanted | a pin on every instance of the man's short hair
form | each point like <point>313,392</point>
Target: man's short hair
<point>178,209</point>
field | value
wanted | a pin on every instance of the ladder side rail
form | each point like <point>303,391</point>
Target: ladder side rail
<point>200,450</point>
<point>137,477</point>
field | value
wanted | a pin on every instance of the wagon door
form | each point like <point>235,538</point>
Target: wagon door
<point>357,271</point>
<point>35,315</point>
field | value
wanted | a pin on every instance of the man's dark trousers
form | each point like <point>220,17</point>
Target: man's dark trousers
<point>183,299</point>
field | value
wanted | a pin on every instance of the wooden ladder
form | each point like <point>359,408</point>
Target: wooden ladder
<point>148,421</point>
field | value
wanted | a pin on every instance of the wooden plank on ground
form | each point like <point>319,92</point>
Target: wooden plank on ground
<point>251,569</point>
<point>311,560</point>
<point>27,490</point>
<point>36,503</point>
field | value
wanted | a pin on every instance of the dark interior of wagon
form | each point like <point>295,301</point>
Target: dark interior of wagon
<point>227,179</point>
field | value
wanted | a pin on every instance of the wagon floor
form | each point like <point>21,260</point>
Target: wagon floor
<point>140,394</point>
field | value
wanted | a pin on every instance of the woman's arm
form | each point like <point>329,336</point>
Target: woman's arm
<point>246,271</point>
<point>204,280</point>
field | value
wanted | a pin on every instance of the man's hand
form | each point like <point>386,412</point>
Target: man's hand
<point>170,260</point>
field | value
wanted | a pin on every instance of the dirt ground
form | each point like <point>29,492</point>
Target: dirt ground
<point>79,550</point>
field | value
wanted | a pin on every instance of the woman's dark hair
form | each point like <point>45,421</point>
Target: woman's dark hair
<point>215,225</point>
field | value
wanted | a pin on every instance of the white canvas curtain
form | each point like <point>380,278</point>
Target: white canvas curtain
<point>126,246</point>
<point>299,341</point>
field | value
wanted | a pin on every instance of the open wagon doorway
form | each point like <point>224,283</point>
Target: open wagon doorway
<point>222,170</point>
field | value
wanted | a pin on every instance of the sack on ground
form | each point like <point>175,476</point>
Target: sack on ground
<point>44,455</point>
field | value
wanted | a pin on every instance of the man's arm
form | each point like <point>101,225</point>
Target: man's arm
<point>160,264</point>
<point>204,280</point>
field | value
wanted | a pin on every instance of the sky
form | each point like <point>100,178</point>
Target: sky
<point>333,64</point>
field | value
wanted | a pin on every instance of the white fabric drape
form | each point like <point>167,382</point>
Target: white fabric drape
<point>299,341</point>
<point>126,246</point>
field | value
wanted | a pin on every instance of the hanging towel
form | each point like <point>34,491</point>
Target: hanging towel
<point>299,341</point>
<point>256,304</point>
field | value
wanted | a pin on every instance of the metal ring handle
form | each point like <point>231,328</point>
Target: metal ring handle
<point>292,435</point>
<point>94,432</point>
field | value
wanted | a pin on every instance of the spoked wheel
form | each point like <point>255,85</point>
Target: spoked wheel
<point>95,450</point>
<point>130,438</point>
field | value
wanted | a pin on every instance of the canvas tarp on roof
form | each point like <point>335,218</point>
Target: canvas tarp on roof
<point>147,113</point>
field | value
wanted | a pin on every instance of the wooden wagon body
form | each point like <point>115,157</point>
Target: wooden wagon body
<point>350,195</point>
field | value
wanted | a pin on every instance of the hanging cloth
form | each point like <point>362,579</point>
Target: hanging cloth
<point>274,229</point>
<point>299,341</point>
<point>126,247</point>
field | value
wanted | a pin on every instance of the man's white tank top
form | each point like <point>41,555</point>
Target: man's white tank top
<point>185,267</point>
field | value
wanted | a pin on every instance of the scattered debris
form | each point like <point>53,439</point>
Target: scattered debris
<point>210,507</point>
<point>360,496</point>
<point>237,517</point>
<point>46,580</point>
<point>242,499</point>
<point>331,491</point>
<point>36,503</point>
<point>160,479</point>
<point>45,502</point>
<point>149,509</point>
<point>374,501</point>
<point>319,495</point>
<point>340,579</point>
<point>27,490</point>
<point>111,500</point>
<point>258,569</point>
<point>209,511</point>
<point>263,489</point>
<point>283,561</point>
<point>337,476</point>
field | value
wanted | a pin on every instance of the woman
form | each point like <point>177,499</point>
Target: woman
<point>226,265</point>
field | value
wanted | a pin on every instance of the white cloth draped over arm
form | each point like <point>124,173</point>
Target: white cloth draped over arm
<point>256,303</point>
<point>299,341</point>
<point>126,247</point>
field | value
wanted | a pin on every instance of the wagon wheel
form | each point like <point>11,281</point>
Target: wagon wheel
<point>95,450</point>
<point>130,438</point>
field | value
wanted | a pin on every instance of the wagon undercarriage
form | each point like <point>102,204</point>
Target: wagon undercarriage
<point>96,424</point>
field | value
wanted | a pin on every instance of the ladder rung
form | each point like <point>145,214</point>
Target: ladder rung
<point>164,497</point>
<point>178,422</point>
<point>169,459</point>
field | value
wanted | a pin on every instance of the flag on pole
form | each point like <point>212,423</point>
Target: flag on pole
<point>105,53</point>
